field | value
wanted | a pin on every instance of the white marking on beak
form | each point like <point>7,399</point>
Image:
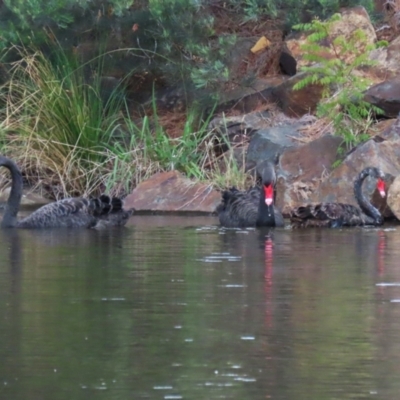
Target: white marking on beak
<point>382,193</point>
<point>268,202</point>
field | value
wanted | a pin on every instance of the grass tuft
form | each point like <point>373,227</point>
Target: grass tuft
<point>70,141</point>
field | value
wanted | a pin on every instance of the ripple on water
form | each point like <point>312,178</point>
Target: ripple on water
<point>388,284</point>
<point>233,286</point>
<point>162,387</point>
<point>219,257</point>
<point>247,338</point>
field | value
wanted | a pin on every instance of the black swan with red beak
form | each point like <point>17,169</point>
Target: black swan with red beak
<point>254,207</point>
<point>336,215</point>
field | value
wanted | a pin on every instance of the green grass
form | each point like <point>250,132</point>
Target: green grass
<point>57,125</point>
<point>70,142</point>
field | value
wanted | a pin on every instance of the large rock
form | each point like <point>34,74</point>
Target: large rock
<point>393,199</point>
<point>301,169</point>
<point>388,59</point>
<point>295,103</point>
<point>171,191</point>
<point>29,199</point>
<point>386,96</point>
<point>247,97</point>
<point>305,175</point>
<point>267,132</point>
<point>337,186</point>
<point>265,144</point>
<point>390,132</point>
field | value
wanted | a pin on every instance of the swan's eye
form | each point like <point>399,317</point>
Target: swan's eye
<point>381,187</point>
<point>269,194</point>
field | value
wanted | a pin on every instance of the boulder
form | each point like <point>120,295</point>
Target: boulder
<point>390,132</point>
<point>386,96</point>
<point>388,59</point>
<point>171,191</point>
<point>296,103</point>
<point>337,186</point>
<point>29,199</point>
<point>267,133</point>
<point>248,96</point>
<point>301,169</point>
<point>393,199</point>
<point>266,144</point>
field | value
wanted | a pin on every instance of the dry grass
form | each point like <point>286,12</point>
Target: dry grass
<point>314,130</point>
<point>68,143</point>
<point>57,128</point>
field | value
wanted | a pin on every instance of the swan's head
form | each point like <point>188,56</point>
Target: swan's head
<point>266,171</point>
<point>269,194</point>
<point>380,185</point>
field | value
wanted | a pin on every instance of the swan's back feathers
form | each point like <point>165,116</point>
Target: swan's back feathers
<point>241,209</point>
<point>101,212</point>
<point>333,215</point>
<point>338,214</point>
<point>237,209</point>
<point>78,213</point>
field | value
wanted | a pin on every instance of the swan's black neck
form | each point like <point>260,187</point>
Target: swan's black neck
<point>266,214</point>
<point>362,201</point>
<point>14,200</point>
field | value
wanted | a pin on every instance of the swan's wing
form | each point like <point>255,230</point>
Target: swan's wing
<point>237,209</point>
<point>79,212</point>
<point>109,212</point>
<point>116,218</point>
<point>68,213</point>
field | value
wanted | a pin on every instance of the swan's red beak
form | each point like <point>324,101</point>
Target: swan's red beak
<point>269,194</point>
<point>381,187</point>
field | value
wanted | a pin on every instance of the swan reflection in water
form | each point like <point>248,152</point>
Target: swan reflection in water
<point>268,276</point>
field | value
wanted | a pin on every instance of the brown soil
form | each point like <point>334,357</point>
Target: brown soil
<point>261,65</point>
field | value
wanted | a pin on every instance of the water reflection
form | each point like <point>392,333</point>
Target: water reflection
<point>179,308</point>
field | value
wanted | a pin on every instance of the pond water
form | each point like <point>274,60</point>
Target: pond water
<point>177,308</point>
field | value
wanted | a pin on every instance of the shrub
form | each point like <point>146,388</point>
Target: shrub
<point>72,141</point>
<point>343,89</point>
<point>183,31</point>
<point>57,124</point>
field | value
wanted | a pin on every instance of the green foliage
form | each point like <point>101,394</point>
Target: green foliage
<point>343,88</point>
<point>183,154</point>
<point>59,120</point>
<point>30,21</point>
<point>62,131</point>
<point>253,9</point>
<point>184,31</point>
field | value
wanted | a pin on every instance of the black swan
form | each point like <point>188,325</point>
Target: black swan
<point>97,213</point>
<point>254,207</point>
<point>336,215</point>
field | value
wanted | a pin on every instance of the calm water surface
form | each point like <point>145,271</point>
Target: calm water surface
<point>176,308</point>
